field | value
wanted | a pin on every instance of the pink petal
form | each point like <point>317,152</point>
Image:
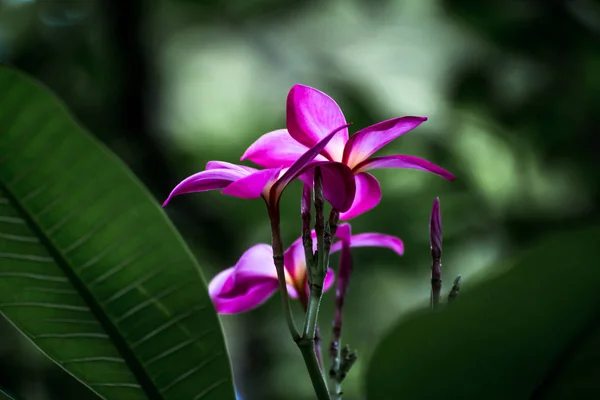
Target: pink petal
<point>373,240</point>
<point>227,165</point>
<point>367,141</point>
<point>247,284</point>
<point>339,186</point>
<point>344,232</point>
<point>368,195</point>
<point>300,165</point>
<point>311,115</point>
<point>206,180</point>
<point>276,149</point>
<point>329,279</point>
<point>254,295</point>
<point>294,260</point>
<point>403,161</point>
<point>253,185</point>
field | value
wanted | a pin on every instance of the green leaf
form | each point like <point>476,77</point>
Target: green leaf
<point>531,330</point>
<point>5,396</point>
<point>91,270</point>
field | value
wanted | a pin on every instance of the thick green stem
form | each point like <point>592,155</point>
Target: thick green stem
<point>316,277</point>
<point>312,313</point>
<point>307,347</point>
<point>277,245</point>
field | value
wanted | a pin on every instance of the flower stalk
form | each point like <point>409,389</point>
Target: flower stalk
<point>316,277</point>
<point>435,234</point>
<point>336,358</point>
<point>278,260</point>
<point>316,272</point>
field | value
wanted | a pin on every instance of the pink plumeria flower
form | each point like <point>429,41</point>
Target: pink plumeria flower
<point>249,183</point>
<point>253,279</point>
<point>311,114</point>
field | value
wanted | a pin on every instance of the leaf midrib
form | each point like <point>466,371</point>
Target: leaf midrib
<point>561,361</point>
<point>136,367</point>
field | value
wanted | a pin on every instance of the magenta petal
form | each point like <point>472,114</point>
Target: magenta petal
<point>367,141</point>
<point>253,185</point>
<point>344,232</point>
<point>339,186</point>
<point>246,285</point>
<point>373,240</point>
<point>294,260</point>
<point>368,195</point>
<point>227,165</point>
<point>276,149</point>
<point>311,115</point>
<point>298,167</point>
<point>206,180</point>
<point>254,295</point>
<point>329,279</point>
<point>403,161</point>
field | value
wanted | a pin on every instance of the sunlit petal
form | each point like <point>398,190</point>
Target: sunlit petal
<point>368,140</point>
<point>253,185</point>
<point>311,115</point>
<point>276,149</point>
<point>373,240</point>
<point>403,161</point>
<point>206,180</point>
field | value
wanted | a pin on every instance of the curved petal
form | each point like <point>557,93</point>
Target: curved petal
<point>329,279</point>
<point>247,284</point>
<point>368,195</point>
<point>403,161</point>
<point>253,185</point>
<point>344,232</point>
<point>228,165</point>
<point>311,115</point>
<point>294,261</point>
<point>276,149</point>
<point>368,140</point>
<point>339,185</point>
<point>373,240</point>
<point>206,180</point>
<point>300,165</point>
<point>253,296</point>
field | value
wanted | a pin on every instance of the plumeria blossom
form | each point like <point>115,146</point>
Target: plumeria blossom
<point>311,114</point>
<point>253,279</point>
<point>249,183</point>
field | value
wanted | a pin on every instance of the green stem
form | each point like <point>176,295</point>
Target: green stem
<point>312,313</point>
<point>307,347</point>
<point>316,278</point>
<point>277,245</point>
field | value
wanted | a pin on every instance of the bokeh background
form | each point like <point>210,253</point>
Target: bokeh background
<point>511,89</point>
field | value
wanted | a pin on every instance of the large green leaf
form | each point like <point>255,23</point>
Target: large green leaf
<point>532,332</point>
<point>91,270</point>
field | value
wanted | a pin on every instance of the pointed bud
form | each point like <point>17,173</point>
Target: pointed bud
<point>455,289</point>
<point>435,235</point>
<point>435,230</point>
<point>349,357</point>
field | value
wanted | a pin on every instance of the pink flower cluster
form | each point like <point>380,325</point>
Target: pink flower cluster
<point>316,135</point>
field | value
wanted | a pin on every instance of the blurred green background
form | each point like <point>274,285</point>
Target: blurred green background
<point>511,89</point>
